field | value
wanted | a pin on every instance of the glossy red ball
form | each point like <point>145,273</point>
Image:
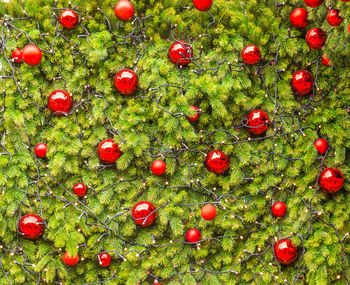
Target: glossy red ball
<point>69,19</point>
<point>202,5</point>
<point>257,122</point>
<point>31,226</point>
<point>17,55</point>
<point>60,102</point>
<point>70,260</point>
<point>217,162</point>
<point>251,55</point>
<point>298,18</point>
<point>313,3</point>
<point>32,55</point>
<point>104,259</point>
<point>108,151</point>
<point>302,82</point>
<point>124,10</point>
<point>326,61</point>
<point>285,251</point>
<point>180,53</point>
<point>80,189</point>
<point>345,0</point>
<point>158,167</point>
<point>316,38</point>
<point>333,17</point>
<point>321,145</point>
<point>141,211</point>
<point>208,212</point>
<point>40,150</point>
<point>279,209</point>
<point>193,235</point>
<point>331,180</point>
<point>195,116</point>
<point>126,81</point>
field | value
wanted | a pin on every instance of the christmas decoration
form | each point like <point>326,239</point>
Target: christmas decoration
<point>32,55</point>
<point>217,162</point>
<point>126,81</point>
<point>158,167</point>
<point>17,55</point>
<point>331,180</point>
<point>202,5</point>
<point>279,209</point>
<point>104,259</point>
<point>257,122</point>
<point>196,115</point>
<point>124,10</point>
<point>298,18</point>
<point>69,19</point>
<point>180,53</point>
<point>321,145</point>
<point>285,251</point>
<point>80,189</point>
<point>141,214</point>
<point>108,151</point>
<point>316,38</point>
<point>251,55</point>
<point>70,260</point>
<point>326,61</point>
<point>333,17</point>
<point>208,212</point>
<point>60,102</point>
<point>302,82</point>
<point>40,150</point>
<point>31,226</point>
<point>313,3</point>
<point>193,235</point>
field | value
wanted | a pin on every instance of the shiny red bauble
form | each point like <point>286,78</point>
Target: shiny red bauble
<point>108,151</point>
<point>251,55</point>
<point>331,180</point>
<point>80,189</point>
<point>208,212</point>
<point>313,3</point>
<point>257,122</point>
<point>32,55</point>
<point>17,55</point>
<point>217,162</point>
<point>345,0</point>
<point>104,259</point>
<point>31,226</point>
<point>143,210</point>
<point>158,167</point>
<point>126,81</point>
<point>298,18</point>
<point>196,115</point>
<point>40,150</point>
<point>124,10</point>
<point>333,18</point>
<point>70,260</point>
<point>321,145</point>
<point>180,53</point>
<point>316,38</point>
<point>285,251</point>
<point>193,235</point>
<point>302,82</point>
<point>60,102</point>
<point>326,61</point>
<point>202,5</point>
<point>279,209</point>
<point>69,19</point>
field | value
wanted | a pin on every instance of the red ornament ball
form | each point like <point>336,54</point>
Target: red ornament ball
<point>140,211</point>
<point>180,53</point>
<point>217,162</point>
<point>108,151</point>
<point>208,212</point>
<point>313,3</point>
<point>298,18</point>
<point>124,10</point>
<point>158,167</point>
<point>321,145</point>
<point>279,209</point>
<point>70,260</point>
<point>193,235</point>
<point>104,259</point>
<point>333,18</point>
<point>69,19</point>
<point>32,55</point>
<point>316,38</point>
<point>196,115</point>
<point>251,55</point>
<point>302,82</point>
<point>326,61</point>
<point>80,189</point>
<point>345,0</point>
<point>17,55</point>
<point>257,122</point>
<point>285,251</point>
<point>31,226</point>
<point>40,150</point>
<point>202,5</point>
<point>60,102</point>
<point>331,180</point>
<point>126,81</point>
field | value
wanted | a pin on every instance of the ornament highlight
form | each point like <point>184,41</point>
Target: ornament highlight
<point>298,18</point>
<point>331,180</point>
<point>32,55</point>
<point>60,102</point>
<point>258,122</point>
<point>302,82</point>
<point>285,251</point>
<point>313,3</point>
<point>70,260</point>
<point>217,162</point>
<point>141,211</point>
<point>279,209</point>
<point>17,55</point>
<point>69,19</point>
<point>158,167</point>
<point>180,53</point>
<point>104,259</point>
<point>333,18</point>
<point>195,116</point>
<point>108,151</point>
<point>31,226</point>
<point>321,145</point>
<point>40,150</point>
<point>126,81</point>
<point>316,38</point>
<point>193,235</point>
<point>251,55</point>
<point>124,10</point>
<point>80,189</point>
<point>202,5</point>
<point>208,212</point>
